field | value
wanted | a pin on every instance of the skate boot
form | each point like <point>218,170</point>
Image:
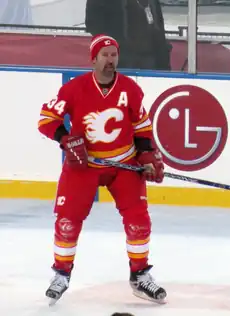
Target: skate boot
<point>59,284</point>
<point>144,286</point>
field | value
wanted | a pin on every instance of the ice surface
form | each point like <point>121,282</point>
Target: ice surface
<point>190,250</point>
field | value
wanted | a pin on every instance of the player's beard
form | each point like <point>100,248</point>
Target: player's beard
<point>109,70</point>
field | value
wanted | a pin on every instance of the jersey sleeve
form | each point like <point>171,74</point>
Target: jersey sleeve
<point>52,113</point>
<point>140,120</point>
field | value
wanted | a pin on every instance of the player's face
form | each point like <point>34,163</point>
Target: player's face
<point>107,60</point>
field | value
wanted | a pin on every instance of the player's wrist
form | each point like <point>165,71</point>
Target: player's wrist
<point>59,133</point>
<point>143,144</point>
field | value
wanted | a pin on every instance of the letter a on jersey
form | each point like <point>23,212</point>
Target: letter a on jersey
<point>123,99</point>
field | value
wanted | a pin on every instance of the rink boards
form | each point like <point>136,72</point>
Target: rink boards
<point>190,116</point>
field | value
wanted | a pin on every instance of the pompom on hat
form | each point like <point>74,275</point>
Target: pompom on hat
<point>100,41</point>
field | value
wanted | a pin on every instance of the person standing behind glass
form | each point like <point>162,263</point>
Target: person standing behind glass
<point>139,27</point>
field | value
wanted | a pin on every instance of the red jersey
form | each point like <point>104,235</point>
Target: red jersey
<point>108,121</point>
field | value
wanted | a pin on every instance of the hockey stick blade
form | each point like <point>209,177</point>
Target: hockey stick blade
<point>110,163</point>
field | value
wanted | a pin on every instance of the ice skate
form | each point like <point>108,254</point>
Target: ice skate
<point>144,286</point>
<point>59,284</point>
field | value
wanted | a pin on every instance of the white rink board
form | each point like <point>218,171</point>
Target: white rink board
<point>39,159</point>
<point>26,154</point>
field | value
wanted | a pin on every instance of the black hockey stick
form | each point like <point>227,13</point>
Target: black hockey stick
<point>105,162</point>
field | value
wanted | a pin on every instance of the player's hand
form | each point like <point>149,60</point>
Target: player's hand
<point>75,151</point>
<point>154,166</point>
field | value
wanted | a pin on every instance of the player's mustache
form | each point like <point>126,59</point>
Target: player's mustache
<point>110,65</point>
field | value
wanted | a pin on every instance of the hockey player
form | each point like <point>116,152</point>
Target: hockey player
<point>108,121</point>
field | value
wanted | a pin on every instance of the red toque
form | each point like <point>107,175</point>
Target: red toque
<point>100,41</point>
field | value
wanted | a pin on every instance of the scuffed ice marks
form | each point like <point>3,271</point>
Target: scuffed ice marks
<point>189,245</point>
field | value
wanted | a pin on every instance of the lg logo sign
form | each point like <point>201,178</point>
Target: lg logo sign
<point>189,127</point>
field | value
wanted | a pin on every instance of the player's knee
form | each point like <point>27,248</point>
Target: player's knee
<point>138,227</point>
<point>67,229</point>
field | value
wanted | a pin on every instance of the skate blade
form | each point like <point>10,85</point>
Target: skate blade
<point>53,301</point>
<point>143,296</point>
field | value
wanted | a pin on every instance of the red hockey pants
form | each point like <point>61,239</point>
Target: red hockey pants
<point>75,196</point>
